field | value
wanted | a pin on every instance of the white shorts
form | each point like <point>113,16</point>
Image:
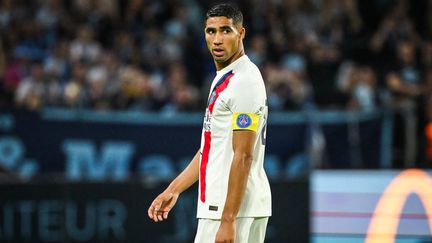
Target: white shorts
<point>249,230</point>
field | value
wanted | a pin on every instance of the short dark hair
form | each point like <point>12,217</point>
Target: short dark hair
<point>227,10</point>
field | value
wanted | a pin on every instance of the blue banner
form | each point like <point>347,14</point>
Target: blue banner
<point>97,146</point>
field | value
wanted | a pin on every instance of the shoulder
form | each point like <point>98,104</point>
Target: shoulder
<point>248,74</point>
<point>246,86</point>
<point>249,69</point>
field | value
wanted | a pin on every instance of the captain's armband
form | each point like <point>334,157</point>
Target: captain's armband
<point>245,121</point>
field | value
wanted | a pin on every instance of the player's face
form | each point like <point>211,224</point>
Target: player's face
<point>224,40</point>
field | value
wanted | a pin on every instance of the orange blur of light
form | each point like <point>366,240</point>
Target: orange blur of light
<point>385,219</point>
<point>428,133</point>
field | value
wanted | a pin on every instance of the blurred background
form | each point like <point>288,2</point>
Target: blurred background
<point>102,101</point>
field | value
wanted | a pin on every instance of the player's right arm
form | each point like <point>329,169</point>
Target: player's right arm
<point>161,206</point>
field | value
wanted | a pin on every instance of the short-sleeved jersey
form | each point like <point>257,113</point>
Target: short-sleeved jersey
<point>237,101</point>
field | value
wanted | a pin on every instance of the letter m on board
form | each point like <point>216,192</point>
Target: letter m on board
<point>83,161</point>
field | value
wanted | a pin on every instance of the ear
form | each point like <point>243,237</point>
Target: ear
<point>242,33</point>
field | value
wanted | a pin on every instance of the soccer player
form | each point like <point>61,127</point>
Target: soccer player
<point>234,201</point>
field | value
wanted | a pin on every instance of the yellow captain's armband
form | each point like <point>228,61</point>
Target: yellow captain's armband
<point>245,121</point>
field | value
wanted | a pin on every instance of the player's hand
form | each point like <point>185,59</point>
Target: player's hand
<point>161,206</point>
<point>226,232</point>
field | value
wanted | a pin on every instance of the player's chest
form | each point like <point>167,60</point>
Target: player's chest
<point>218,117</point>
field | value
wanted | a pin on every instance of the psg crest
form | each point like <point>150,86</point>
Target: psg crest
<point>243,121</point>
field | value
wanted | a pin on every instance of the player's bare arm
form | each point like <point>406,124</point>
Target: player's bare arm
<point>161,206</point>
<point>243,144</point>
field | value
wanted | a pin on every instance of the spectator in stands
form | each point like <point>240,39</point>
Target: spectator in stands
<point>84,47</point>
<point>287,84</point>
<point>257,50</point>
<point>49,13</point>
<point>37,90</point>
<point>405,80</point>
<point>136,89</point>
<point>180,95</point>
<point>15,70</point>
<point>76,90</point>
<point>125,47</point>
<point>57,62</point>
<point>360,84</point>
<point>406,84</point>
<point>6,13</point>
<point>152,49</point>
<point>103,79</point>
<point>395,27</point>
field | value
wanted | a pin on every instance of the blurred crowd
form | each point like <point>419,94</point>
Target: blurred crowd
<point>151,55</point>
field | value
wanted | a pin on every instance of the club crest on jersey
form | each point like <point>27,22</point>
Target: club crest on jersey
<point>244,121</point>
<point>212,98</point>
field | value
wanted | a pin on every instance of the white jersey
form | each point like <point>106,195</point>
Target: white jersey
<point>237,101</point>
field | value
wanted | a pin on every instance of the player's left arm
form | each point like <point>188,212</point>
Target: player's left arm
<point>243,145</point>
